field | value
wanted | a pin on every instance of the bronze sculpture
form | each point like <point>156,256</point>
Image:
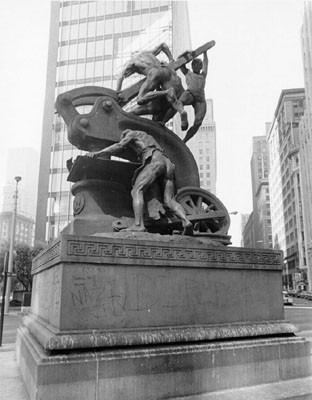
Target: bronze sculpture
<point>161,88</point>
<point>164,198</point>
<point>154,165</point>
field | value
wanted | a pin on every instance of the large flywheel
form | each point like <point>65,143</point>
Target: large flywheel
<point>204,210</point>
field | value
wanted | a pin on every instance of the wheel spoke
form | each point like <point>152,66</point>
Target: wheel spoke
<point>188,204</point>
<point>199,202</point>
<point>205,212</point>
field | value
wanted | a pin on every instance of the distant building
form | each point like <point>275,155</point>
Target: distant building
<point>23,162</point>
<point>24,231</point>
<point>248,232</point>
<point>259,166</point>
<point>305,132</point>
<point>285,186</point>
<point>204,148</point>
<point>90,41</point>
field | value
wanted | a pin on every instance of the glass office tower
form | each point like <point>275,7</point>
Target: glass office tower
<point>90,41</point>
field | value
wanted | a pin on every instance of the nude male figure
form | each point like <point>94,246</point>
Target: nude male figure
<point>195,93</point>
<point>162,82</point>
<point>155,164</point>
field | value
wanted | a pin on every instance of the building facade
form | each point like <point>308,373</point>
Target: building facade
<point>204,148</point>
<point>305,133</point>
<point>259,166</point>
<point>248,231</point>
<point>90,41</point>
<point>285,186</point>
<point>23,162</point>
<point>24,230</point>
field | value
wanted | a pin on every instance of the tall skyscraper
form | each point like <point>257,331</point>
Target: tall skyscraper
<point>90,41</point>
<point>305,129</point>
<point>259,166</point>
<point>285,187</point>
<point>204,148</point>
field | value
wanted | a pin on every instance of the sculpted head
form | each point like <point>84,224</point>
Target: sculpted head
<point>197,65</point>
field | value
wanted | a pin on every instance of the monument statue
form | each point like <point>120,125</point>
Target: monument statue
<point>195,93</point>
<point>165,196</point>
<point>162,93</point>
<point>139,297</point>
<point>155,165</point>
<point>160,90</point>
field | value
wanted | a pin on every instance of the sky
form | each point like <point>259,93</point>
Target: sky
<point>257,55</point>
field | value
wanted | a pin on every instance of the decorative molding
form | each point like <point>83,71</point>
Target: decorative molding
<point>47,256</point>
<point>83,248</point>
<point>106,250</point>
<point>79,203</point>
<point>52,339</point>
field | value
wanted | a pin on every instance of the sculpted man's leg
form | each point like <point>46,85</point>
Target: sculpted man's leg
<point>148,91</point>
<point>174,205</point>
<point>147,109</point>
<point>200,112</point>
<point>177,105</point>
<point>145,178</point>
<point>138,206</point>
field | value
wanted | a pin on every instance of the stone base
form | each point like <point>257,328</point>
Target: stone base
<point>159,372</point>
<point>129,316</point>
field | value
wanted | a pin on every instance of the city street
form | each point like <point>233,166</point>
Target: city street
<point>300,314</point>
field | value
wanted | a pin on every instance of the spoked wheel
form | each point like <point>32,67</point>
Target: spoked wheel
<point>204,210</point>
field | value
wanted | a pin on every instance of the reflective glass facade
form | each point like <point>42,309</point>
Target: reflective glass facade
<point>90,41</point>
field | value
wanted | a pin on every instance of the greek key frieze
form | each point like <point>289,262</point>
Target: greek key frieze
<point>47,256</point>
<point>144,251</point>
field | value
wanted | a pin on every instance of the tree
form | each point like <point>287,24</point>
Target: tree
<point>5,248</point>
<point>23,261</point>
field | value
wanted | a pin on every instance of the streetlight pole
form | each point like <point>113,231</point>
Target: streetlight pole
<point>11,251</point>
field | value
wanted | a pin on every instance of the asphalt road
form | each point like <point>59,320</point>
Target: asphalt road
<point>300,314</point>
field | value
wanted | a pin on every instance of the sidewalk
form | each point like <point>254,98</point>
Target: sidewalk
<point>11,383</point>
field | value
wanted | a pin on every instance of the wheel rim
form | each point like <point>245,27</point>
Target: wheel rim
<point>204,209</point>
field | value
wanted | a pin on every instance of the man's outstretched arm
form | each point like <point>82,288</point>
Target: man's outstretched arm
<point>205,64</point>
<point>114,148</point>
<point>163,47</point>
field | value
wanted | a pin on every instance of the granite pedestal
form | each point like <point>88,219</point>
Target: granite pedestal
<point>136,316</point>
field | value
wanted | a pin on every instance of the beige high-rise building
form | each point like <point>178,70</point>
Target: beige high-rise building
<point>259,165</point>
<point>90,41</point>
<point>285,186</point>
<point>305,132</point>
<point>204,148</point>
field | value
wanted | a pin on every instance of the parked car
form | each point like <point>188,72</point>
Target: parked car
<point>15,303</point>
<point>308,295</point>
<point>288,301</point>
<point>11,298</point>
